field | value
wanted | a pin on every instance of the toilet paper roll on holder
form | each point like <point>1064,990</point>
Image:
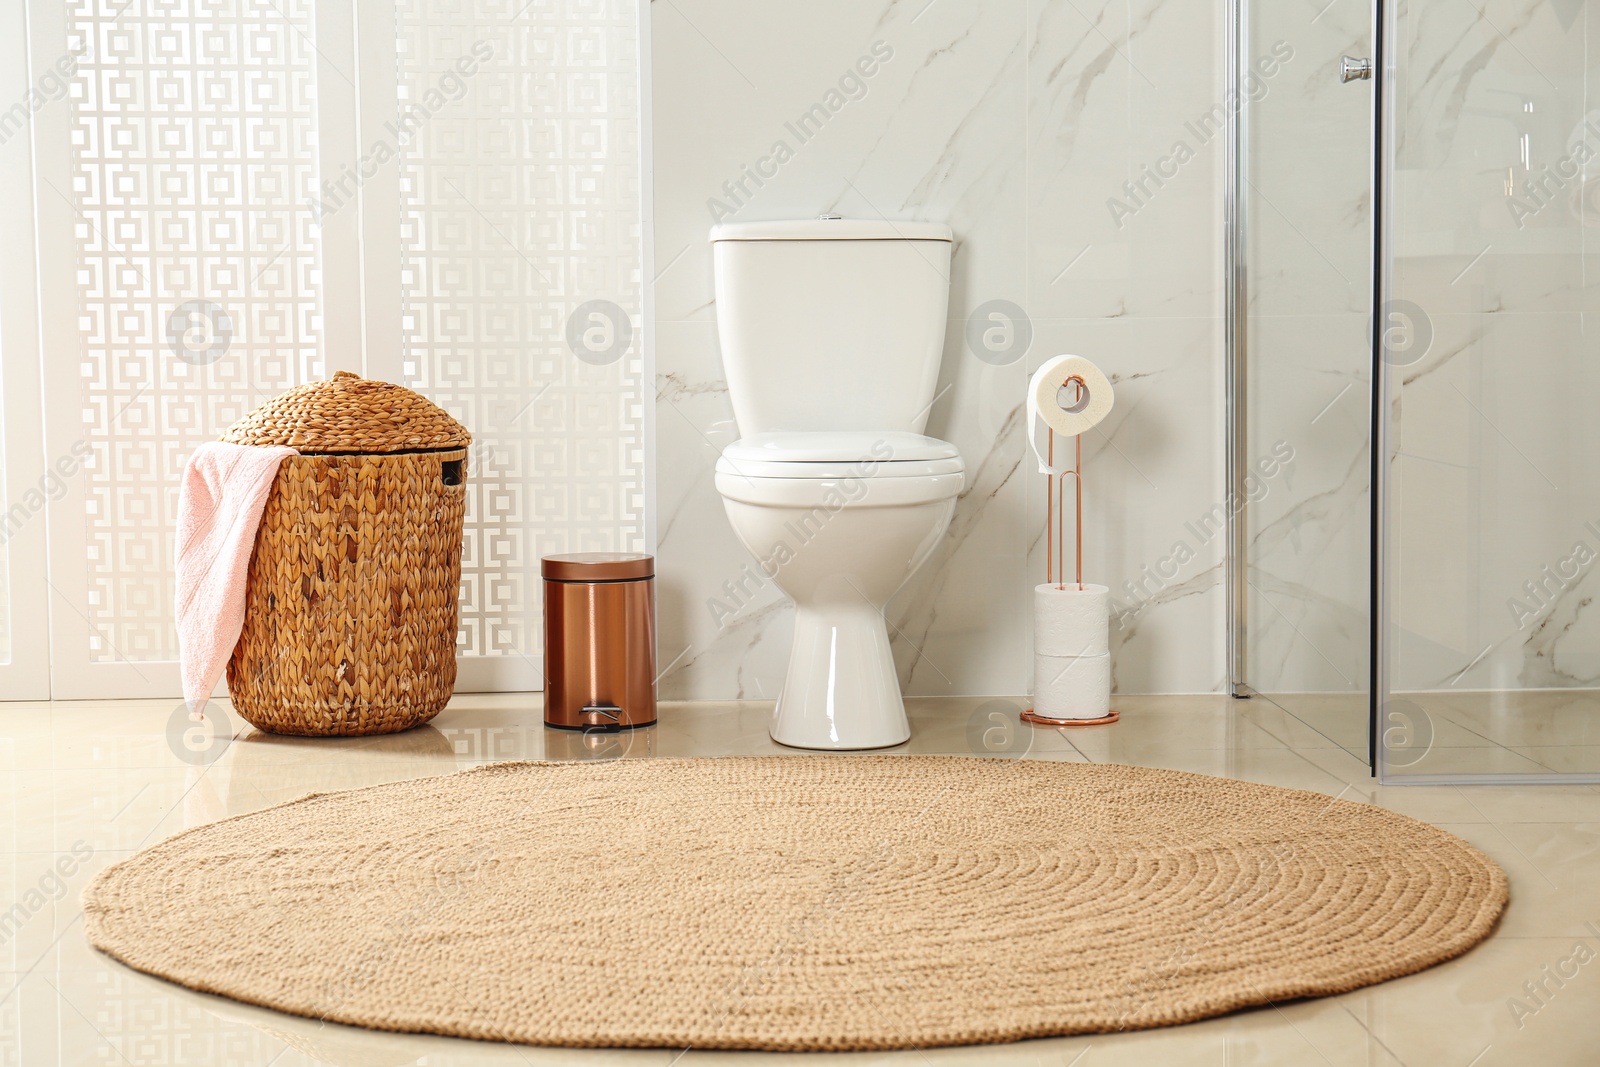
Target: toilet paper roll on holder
<point>1056,532</point>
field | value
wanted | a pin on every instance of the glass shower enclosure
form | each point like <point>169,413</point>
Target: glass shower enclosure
<point>1415,186</point>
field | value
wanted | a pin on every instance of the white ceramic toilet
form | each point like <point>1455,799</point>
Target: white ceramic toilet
<point>831,333</point>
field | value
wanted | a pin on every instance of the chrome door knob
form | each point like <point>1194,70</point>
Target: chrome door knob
<point>1353,69</point>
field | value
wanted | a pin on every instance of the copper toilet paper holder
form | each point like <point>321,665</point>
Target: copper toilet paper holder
<point>1056,547</point>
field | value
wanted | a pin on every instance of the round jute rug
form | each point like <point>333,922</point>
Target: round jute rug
<point>794,902</point>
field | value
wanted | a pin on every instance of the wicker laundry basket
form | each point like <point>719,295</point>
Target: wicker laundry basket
<point>350,605</point>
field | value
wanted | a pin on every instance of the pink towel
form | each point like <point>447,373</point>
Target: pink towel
<point>219,507</point>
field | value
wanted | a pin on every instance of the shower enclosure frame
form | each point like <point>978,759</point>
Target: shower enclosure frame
<point>1236,343</point>
<point>1378,611</point>
<point>1382,393</point>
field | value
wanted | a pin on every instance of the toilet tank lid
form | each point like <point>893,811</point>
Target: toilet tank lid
<point>830,230</point>
<point>846,446</point>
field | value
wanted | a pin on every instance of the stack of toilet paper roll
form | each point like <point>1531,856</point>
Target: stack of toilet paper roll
<point>1071,657</point>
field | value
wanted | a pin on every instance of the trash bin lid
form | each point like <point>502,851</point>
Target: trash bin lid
<point>598,566</point>
<point>348,413</point>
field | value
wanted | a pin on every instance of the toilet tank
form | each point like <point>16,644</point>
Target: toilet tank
<point>831,324</point>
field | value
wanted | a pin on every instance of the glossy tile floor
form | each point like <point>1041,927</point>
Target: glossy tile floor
<point>89,783</point>
<point>1536,732</point>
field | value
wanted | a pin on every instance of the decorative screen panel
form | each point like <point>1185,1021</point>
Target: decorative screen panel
<point>194,140</point>
<point>518,141</point>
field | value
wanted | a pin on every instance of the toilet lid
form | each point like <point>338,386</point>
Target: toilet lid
<point>839,454</point>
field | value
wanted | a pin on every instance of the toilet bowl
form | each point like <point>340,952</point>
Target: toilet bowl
<point>839,522</point>
<point>831,333</point>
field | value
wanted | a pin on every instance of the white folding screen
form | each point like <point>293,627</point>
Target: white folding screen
<point>236,196</point>
<point>26,484</point>
<point>520,280</point>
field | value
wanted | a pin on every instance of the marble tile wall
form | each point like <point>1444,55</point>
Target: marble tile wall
<point>1018,123</point>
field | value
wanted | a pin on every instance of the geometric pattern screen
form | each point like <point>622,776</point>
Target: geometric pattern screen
<point>521,262</point>
<point>194,139</point>
<point>198,191</point>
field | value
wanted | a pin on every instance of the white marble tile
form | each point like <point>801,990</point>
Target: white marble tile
<point>963,623</point>
<point>700,650</point>
<point>1086,138</point>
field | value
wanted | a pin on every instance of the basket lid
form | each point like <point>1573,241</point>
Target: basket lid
<point>349,413</point>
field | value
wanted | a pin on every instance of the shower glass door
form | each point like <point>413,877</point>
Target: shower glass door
<point>1488,531</point>
<point>1304,463</point>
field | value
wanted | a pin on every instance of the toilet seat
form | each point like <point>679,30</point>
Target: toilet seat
<point>839,469</point>
<point>840,493</point>
<point>833,454</point>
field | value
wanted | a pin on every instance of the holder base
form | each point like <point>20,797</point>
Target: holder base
<point>1039,720</point>
<point>589,728</point>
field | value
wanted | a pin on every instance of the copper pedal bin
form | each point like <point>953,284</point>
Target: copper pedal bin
<point>599,640</point>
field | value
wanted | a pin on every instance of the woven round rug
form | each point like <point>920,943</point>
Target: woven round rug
<point>794,902</point>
